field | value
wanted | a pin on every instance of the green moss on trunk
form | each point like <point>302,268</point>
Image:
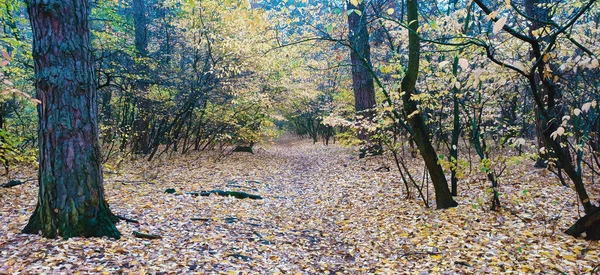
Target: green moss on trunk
<point>71,194</point>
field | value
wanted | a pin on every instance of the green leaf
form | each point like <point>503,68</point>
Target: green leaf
<point>434,25</point>
<point>329,28</point>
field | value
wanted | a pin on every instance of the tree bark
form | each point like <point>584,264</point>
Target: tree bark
<point>360,57</point>
<point>538,15</point>
<point>456,127</point>
<point>71,194</point>
<point>141,136</point>
<point>548,113</point>
<point>421,136</point>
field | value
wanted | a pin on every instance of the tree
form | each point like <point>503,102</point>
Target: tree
<point>421,135</point>
<point>71,194</point>
<point>360,57</point>
<point>537,13</point>
<point>546,93</point>
<point>140,125</point>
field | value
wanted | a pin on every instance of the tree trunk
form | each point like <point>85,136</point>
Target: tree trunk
<point>455,136</point>
<point>421,136</point>
<point>71,194</point>
<point>360,57</point>
<point>549,114</point>
<point>590,224</point>
<point>538,15</point>
<point>141,136</point>
<point>456,127</point>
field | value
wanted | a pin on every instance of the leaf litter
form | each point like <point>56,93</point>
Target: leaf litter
<point>324,211</point>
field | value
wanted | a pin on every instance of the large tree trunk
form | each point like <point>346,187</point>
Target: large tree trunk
<point>71,194</point>
<point>360,57</point>
<point>421,136</point>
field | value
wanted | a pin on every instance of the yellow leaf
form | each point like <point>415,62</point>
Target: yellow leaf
<point>436,257</point>
<point>390,11</point>
<point>526,268</point>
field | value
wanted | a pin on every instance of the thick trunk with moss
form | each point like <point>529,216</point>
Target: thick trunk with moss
<point>71,194</point>
<point>421,135</point>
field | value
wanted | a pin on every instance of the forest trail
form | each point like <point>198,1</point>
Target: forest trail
<point>324,211</point>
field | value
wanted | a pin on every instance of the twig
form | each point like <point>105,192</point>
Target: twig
<point>463,263</point>
<point>236,194</point>
<point>517,215</point>
<point>126,219</point>
<point>420,253</point>
<point>126,182</point>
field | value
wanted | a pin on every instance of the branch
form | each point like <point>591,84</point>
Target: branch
<point>575,18</point>
<point>491,56</point>
<point>508,29</point>
<point>146,236</point>
<point>14,183</point>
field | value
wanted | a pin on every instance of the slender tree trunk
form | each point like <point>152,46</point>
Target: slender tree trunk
<point>538,15</point>
<point>456,127</point>
<point>549,114</point>
<point>455,136</point>
<point>71,194</point>
<point>421,136</point>
<point>360,57</point>
<point>141,137</point>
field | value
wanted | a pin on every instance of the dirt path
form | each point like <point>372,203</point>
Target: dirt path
<point>324,211</point>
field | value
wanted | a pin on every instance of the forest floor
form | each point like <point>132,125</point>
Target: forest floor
<point>324,212</point>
